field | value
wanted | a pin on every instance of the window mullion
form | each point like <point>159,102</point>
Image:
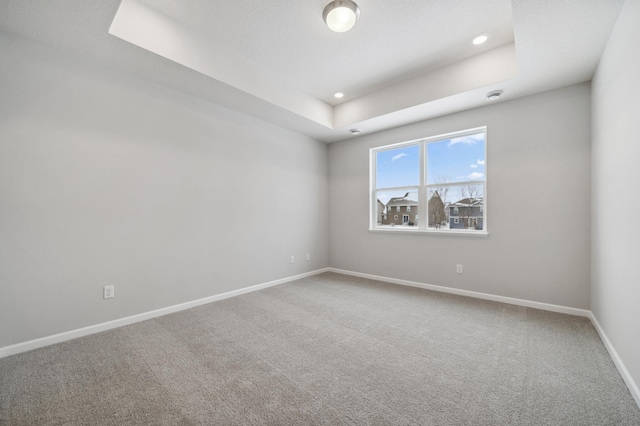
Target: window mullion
<point>422,206</point>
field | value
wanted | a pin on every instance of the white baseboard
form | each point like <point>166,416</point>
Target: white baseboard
<point>97,328</point>
<point>73,334</point>
<point>475,294</point>
<point>633,388</point>
<point>631,384</point>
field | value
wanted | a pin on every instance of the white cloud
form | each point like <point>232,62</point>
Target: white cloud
<point>476,175</point>
<point>481,162</point>
<point>398,156</point>
<point>467,140</point>
<point>474,166</point>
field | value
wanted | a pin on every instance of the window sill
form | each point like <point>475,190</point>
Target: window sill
<point>402,230</point>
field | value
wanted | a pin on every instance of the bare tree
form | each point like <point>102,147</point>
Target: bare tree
<point>437,203</point>
<point>436,207</point>
<point>469,197</point>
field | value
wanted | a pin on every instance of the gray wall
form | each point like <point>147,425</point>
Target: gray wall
<point>105,179</point>
<point>538,194</point>
<point>615,288</point>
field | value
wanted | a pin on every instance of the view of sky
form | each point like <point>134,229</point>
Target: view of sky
<point>449,160</point>
<point>398,167</point>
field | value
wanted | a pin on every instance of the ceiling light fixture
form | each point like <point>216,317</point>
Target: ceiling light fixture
<point>341,15</point>
<point>480,39</point>
<point>492,96</point>
<point>338,95</point>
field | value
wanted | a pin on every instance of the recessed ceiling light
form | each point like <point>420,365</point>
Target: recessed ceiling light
<point>492,96</point>
<point>341,15</point>
<point>338,95</point>
<point>480,39</point>
<point>355,131</point>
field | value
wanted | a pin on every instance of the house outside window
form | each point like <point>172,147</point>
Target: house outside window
<point>441,177</point>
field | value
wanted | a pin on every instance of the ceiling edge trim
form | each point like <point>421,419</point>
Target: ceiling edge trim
<point>487,68</point>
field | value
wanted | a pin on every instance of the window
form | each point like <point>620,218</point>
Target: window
<point>437,177</point>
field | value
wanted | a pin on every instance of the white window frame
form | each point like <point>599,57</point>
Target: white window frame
<point>422,188</point>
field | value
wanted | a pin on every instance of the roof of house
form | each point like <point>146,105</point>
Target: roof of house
<point>466,202</point>
<point>402,201</point>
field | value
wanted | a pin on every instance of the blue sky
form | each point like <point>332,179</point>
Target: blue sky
<point>398,167</point>
<point>451,160</point>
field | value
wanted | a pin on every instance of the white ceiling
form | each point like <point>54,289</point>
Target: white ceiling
<point>392,40</point>
<point>404,61</point>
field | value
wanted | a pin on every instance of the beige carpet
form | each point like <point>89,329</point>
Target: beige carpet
<point>332,350</point>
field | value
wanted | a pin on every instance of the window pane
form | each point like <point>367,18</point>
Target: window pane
<point>449,174</point>
<point>397,208</point>
<point>398,167</point>
<point>466,211</point>
<point>457,159</point>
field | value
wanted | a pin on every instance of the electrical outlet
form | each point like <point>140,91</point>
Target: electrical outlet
<point>308,256</point>
<point>459,269</point>
<point>108,291</point>
<point>293,259</point>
